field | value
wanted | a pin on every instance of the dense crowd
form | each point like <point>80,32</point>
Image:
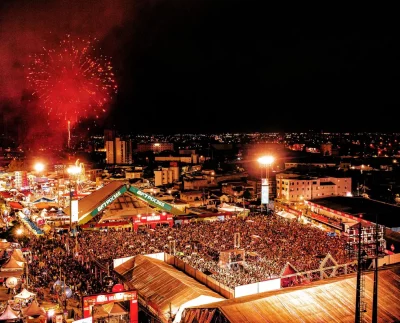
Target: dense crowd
<point>55,265</point>
<point>269,243</point>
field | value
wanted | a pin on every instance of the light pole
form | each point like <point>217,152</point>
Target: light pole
<point>39,168</point>
<point>72,171</point>
<point>265,161</point>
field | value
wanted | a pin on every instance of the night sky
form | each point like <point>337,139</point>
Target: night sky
<point>203,66</point>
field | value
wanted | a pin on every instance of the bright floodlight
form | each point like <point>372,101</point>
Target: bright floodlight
<point>20,231</point>
<point>39,167</point>
<point>266,160</point>
<point>74,170</point>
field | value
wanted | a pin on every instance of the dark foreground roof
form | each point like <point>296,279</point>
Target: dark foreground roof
<point>330,300</point>
<point>388,214</point>
<point>161,284</point>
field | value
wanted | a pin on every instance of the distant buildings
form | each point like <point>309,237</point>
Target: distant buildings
<point>155,147</point>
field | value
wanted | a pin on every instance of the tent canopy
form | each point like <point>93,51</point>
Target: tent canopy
<point>43,199</point>
<point>25,294</point>
<point>34,310</point>
<point>8,314</point>
<point>18,255</point>
<point>12,264</point>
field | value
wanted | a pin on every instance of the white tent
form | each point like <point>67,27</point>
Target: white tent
<point>25,294</point>
<point>224,207</point>
<point>201,300</point>
<point>9,314</point>
<point>286,215</point>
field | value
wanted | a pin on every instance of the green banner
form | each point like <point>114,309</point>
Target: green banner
<point>150,199</point>
<point>109,200</point>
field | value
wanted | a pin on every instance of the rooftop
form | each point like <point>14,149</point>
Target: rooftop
<point>388,214</point>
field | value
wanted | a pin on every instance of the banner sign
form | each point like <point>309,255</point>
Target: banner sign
<point>104,298</point>
<point>264,191</point>
<point>150,199</point>
<point>74,211</point>
<point>154,218</point>
<point>109,200</point>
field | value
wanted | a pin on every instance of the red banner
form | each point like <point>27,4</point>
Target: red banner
<point>153,218</point>
<point>100,299</point>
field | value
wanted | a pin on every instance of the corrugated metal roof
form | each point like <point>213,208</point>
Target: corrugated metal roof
<point>162,285</point>
<point>330,300</point>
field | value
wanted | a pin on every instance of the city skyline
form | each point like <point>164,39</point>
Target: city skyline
<point>213,66</point>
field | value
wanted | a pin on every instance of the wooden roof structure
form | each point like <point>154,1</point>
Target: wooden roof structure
<point>329,300</point>
<point>161,285</point>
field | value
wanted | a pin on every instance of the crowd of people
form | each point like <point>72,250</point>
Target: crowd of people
<point>57,267</point>
<point>274,240</point>
<point>267,243</point>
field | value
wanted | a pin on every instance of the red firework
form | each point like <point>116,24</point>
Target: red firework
<point>70,81</point>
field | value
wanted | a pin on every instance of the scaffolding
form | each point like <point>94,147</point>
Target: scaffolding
<point>365,244</point>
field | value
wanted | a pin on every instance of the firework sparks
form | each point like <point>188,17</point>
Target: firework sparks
<point>70,81</point>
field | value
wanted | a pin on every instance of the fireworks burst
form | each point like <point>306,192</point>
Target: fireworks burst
<point>70,81</point>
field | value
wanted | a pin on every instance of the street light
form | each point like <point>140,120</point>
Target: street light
<point>72,171</point>
<point>265,161</point>
<point>39,167</point>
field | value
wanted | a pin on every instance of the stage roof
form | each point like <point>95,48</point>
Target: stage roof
<point>330,300</point>
<point>388,214</point>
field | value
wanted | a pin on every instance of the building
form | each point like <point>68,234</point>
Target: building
<point>118,151</point>
<point>21,180</point>
<point>155,147</point>
<point>188,159</point>
<point>195,183</point>
<point>326,149</point>
<point>166,175</point>
<point>292,188</point>
<point>193,198</point>
<point>134,174</point>
<point>255,183</point>
<point>237,189</point>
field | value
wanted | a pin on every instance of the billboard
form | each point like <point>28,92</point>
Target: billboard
<point>88,302</point>
<point>74,211</point>
<point>264,191</point>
